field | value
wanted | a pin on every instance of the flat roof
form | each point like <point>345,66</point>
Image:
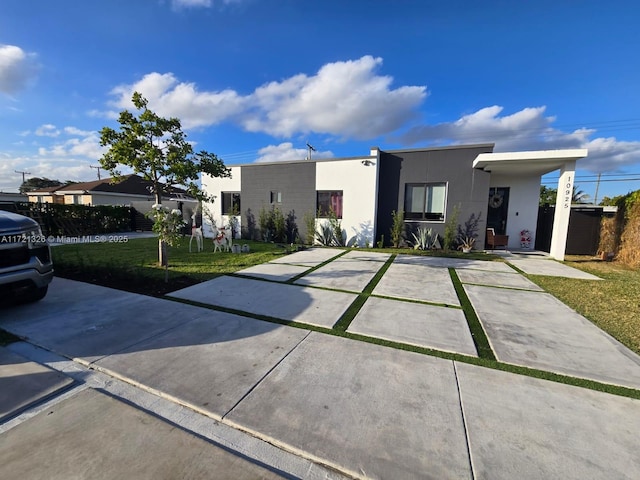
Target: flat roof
<point>313,160</point>
<point>446,147</point>
<point>537,162</point>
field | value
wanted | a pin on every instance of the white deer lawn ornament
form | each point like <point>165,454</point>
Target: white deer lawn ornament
<point>196,232</point>
<point>221,239</point>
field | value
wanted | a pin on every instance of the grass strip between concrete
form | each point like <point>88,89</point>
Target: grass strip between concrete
<point>313,269</point>
<point>6,338</point>
<point>477,332</point>
<point>478,361</point>
<point>347,317</point>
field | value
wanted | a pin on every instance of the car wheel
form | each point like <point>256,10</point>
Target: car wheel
<point>34,294</point>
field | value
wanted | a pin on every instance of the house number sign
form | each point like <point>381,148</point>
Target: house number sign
<point>568,193</point>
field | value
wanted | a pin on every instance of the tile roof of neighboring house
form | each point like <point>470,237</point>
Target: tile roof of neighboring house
<point>42,190</point>
<point>129,185</point>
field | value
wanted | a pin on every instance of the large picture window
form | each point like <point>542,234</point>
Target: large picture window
<point>230,203</point>
<point>425,201</point>
<point>330,200</point>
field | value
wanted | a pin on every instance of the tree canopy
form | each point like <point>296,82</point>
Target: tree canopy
<point>36,183</point>
<point>549,195</point>
<point>157,149</point>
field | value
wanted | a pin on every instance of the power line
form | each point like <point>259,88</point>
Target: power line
<point>596,181</point>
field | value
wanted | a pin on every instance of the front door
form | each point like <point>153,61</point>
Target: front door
<point>498,209</point>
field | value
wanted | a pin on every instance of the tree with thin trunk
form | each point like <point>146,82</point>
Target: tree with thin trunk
<point>157,149</point>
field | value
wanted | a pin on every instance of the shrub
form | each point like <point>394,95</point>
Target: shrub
<point>336,227</point>
<point>309,220</point>
<point>272,225</point>
<point>65,219</point>
<point>397,228</point>
<point>621,234</point>
<point>450,229</point>
<point>629,253</point>
<point>466,235</point>
<point>291,227</point>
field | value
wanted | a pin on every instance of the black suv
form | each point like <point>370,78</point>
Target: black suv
<point>25,259</point>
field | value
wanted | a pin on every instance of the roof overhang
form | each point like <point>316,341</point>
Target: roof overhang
<point>537,162</point>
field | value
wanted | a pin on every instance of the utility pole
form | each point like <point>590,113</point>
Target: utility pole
<point>595,198</point>
<point>309,150</point>
<point>98,168</point>
<point>23,174</point>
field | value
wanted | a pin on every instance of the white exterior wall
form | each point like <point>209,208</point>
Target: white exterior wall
<point>358,183</point>
<point>524,195</point>
<point>215,186</point>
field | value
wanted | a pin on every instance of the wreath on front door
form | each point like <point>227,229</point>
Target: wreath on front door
<point>495,201</point>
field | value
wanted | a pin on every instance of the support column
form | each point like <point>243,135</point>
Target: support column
<point>563,210</point>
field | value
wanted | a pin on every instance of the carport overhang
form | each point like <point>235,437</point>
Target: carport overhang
<point>538,163</point>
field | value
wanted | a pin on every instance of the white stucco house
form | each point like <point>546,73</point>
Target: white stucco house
<point>427,184</point>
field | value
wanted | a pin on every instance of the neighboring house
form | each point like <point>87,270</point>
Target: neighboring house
<point>427,184</point>
<point>12,197</point>
<point>132,190</point>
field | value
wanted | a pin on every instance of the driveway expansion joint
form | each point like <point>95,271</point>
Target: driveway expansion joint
<point>255,385</point>
<point>464,420</point>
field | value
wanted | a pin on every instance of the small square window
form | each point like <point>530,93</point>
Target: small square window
<point>276,197</point>
<point>230,203</point>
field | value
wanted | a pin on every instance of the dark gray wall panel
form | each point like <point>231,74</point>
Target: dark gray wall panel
<point>467,186</point>
<point>296,181</point>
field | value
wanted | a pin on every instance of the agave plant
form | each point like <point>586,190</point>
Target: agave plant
<point>325,235</point>
<point>425,239</point>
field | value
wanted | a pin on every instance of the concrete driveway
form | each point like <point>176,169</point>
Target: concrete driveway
<point>264,399</point>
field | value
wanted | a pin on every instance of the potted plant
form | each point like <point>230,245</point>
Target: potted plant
<point>466,244</point>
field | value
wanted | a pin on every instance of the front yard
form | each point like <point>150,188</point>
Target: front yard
<point>133,266</point>
<point>612,304</point>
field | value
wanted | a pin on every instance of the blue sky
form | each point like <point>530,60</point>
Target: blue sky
<point>255,80</point>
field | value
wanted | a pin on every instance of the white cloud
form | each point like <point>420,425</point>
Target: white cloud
<point>178,4</point>
<point>87,147</point>
<point>170,98</point>
<point>191,3</point>
<point>285,151</point>
<point>54,168</point>
<point>345,99</point>
<point>78,132</point>
<point>528,129</point>
<point>17,69</point>
<point>47,130</point>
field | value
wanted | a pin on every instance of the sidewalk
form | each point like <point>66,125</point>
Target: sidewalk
<point>363,410</point>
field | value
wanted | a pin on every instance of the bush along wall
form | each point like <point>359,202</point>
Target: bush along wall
<point>629,252</point>
<point>621,234</point>
<point>73,220</point>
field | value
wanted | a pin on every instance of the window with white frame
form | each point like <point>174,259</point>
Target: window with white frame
<point>425,201</point>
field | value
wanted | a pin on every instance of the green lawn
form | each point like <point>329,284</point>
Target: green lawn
<point>133,266</point>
